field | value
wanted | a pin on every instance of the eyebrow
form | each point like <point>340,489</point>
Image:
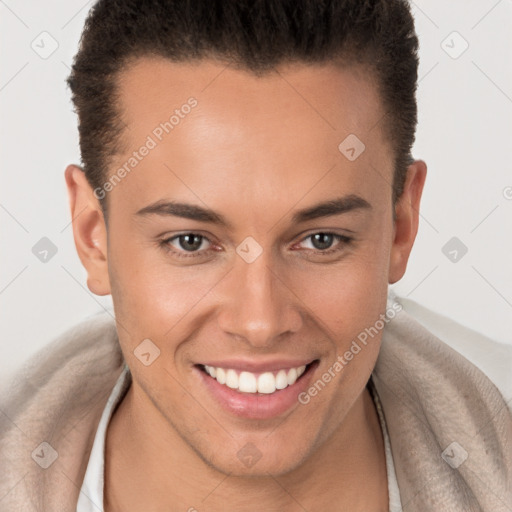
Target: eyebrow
<point>336,206</point>
<point>333,207</point>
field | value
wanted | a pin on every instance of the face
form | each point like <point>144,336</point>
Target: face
<point>244,242</point>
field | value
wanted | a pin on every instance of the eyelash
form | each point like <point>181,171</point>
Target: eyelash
<point>343,240</point>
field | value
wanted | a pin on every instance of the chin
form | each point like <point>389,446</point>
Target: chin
<point>249,461</point>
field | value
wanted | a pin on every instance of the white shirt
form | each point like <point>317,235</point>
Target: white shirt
<point>91,492</point>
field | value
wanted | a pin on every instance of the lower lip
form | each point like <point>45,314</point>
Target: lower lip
<point>257,405</point>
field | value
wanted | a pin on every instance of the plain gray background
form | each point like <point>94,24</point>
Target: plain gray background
<point>464,135</point>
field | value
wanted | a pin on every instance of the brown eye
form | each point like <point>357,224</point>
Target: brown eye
<point>187,242</point>
<point>190,242</point>
<point>322,241</point>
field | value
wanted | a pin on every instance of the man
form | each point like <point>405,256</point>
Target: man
<point>247,195</point>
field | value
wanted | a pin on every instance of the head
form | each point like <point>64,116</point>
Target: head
<point>246,195</point>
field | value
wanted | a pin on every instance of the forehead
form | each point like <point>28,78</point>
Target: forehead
<point>283,128</point>
<point>343,97</point>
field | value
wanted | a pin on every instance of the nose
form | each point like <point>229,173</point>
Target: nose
<point>258,305</point>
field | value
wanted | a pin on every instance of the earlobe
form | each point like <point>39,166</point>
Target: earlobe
<point>89,230</point>
<point>407,211</point>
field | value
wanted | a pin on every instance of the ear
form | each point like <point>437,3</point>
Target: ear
<point>89,230</point>
<point>407,210</point>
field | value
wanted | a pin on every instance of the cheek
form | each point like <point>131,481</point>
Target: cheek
<point>151,294</point>
<point>349,295</point>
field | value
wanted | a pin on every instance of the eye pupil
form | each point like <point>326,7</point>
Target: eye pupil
<point>190,242</point>
<point>322,240</point>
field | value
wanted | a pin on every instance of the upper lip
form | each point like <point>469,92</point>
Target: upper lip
<point>259,366</point>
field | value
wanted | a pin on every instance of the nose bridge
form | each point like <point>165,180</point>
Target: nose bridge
<point>259,308</point>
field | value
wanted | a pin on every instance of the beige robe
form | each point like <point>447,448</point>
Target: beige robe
<point>450,427</point>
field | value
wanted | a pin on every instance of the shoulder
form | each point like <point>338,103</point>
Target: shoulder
<point>77,363</point>
<point>93,339</point>
<point>51,409</point>
<point>494,359</point>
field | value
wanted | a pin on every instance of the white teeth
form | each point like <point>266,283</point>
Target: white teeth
<point>266,383</point>
<point>292,376</point>
<point>211,370</point>
<point>232,379</point>
<point>281,380</point>
<point>248,382</point>
<point>221,376</point>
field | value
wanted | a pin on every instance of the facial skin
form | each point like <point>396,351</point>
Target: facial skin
<point>255,151</point>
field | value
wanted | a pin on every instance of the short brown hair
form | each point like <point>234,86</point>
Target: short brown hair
<point>254,35</point>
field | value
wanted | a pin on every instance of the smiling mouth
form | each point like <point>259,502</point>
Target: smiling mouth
<point>265,383</point>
